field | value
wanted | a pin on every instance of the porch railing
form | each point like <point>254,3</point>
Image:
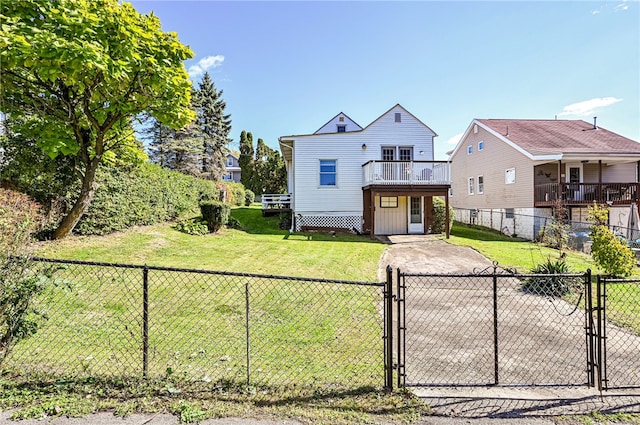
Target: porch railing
<point>586,193</point>
<point>406,173</point>
<point>276,201</point>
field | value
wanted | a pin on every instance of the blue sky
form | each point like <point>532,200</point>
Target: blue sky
<point>288,67</point>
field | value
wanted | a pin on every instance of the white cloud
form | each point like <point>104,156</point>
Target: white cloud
<point>621,6</point>
<point>595,12</point>
<point>205,64</point>
<point>588,107</point>
<point>455,139</point>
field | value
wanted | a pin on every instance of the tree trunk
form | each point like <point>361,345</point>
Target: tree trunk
<point>89,186</point>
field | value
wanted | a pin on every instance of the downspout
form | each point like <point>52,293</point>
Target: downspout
<point>293,186</point>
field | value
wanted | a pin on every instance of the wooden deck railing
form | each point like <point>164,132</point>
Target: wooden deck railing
<point>406,172</point>
<point>586,193</point>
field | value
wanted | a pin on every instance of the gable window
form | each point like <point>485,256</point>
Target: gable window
<point>388,154</point>
<point>471,185</point>
<point>469,150</point>
<point>406,154</point>
<point>342,128</point>
<point>388,202</point>
<point>328,172</point>
<point>480,185</point>
<point>510,176</point>
<point>398,117</point>
<point>341,119</point>
<point>480,145</point>
<point>229,162</point>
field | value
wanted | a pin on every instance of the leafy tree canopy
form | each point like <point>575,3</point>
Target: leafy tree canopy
<point>80,71</point>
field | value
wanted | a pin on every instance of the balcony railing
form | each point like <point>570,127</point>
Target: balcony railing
<point>586,193</point>
<point>406,173</point>
<point>276,202</point>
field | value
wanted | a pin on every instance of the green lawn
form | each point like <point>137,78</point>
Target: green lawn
<point>260,247</point>
<point>515,253</point>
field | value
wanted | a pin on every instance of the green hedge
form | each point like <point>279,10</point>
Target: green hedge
<point>216,214</point>
<point>140,196</point>
<point>439,215</point>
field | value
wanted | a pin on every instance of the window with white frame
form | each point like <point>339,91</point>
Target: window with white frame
<point>228,176</point>
<point>230,162</point>
<point>480,185</point>
<point>469,150</point>
<point>480,145</point>
<point>342,128</point>
<point>472,183</point>
<point>328,172</point>
<point>510,176</point>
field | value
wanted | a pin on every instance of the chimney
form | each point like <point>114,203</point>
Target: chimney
<point>594,123</point>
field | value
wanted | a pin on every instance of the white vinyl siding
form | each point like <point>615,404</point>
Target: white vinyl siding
<point>346,197</point>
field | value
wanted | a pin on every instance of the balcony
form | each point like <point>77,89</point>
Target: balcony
<point>586,193</point>
<point>401,173</point>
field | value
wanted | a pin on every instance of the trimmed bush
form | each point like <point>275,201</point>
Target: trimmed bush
<point>216,214</point>
<point>439,215</point>
<point>140,196</point>
<point>249,197</point>
<point>609,252</point>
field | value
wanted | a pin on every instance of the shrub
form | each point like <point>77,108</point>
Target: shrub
<point>556,233</point>
<point>140,196</point>
<point>439,215</point>
<point>192,226</point>
<point>285,220</point>
<point>608,252</point>
<point>249,197</point>
<point>233,223</point>
<point>550,285</point>
<point>19,284</point>
<point>216,214</point>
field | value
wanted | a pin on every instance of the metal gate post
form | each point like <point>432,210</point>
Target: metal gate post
<point>402,329</point>
<point>589,330</point>
<point>601,331</point>
<point>388,330</point>
<point>495,326</point>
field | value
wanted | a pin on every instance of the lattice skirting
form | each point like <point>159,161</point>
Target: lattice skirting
<point>348,222</point>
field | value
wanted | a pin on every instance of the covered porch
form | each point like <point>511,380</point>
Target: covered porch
<point>581,181</point>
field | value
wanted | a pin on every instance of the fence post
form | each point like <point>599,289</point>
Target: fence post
<point>600,294</point>
<point>388,295</point>
<point>246,300</point>
<point>495,325</point>
<point>145,321</point>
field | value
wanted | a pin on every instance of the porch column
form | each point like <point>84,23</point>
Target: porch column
<point>372,211</point>
<point>560,195</point>
<point>599,194</point>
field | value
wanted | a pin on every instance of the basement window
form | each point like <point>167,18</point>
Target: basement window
<point>388,202</point>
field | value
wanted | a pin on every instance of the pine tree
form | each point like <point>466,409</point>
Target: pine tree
<point>213,127</point>
<point>245,160</point>
<point>159,137</point>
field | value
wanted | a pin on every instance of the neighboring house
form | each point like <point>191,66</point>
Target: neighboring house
<point>514,171</point>
<point>232,170</point>
<point>380,179</point>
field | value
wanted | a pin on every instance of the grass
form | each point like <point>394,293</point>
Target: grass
<point>515,253</point>
<point>260,247</point>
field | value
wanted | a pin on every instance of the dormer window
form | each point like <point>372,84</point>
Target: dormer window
<point>342,128</point>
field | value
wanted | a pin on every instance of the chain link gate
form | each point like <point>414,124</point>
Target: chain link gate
<point>616,331</point>
<point>494,327</point>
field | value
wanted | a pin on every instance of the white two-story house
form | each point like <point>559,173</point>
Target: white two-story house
<point>380,179</point>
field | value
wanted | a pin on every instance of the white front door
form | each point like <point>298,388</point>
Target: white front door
<point>416,214</point>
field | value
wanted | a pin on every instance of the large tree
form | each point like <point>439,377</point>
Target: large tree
<point>79,71</point>
<point>245,160</point>
<point>213,127</point>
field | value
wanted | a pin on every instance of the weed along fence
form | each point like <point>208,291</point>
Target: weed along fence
<point>112,320</point>
<point>489,327</point>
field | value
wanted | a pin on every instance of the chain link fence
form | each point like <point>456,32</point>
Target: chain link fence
<point>112,320</point>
